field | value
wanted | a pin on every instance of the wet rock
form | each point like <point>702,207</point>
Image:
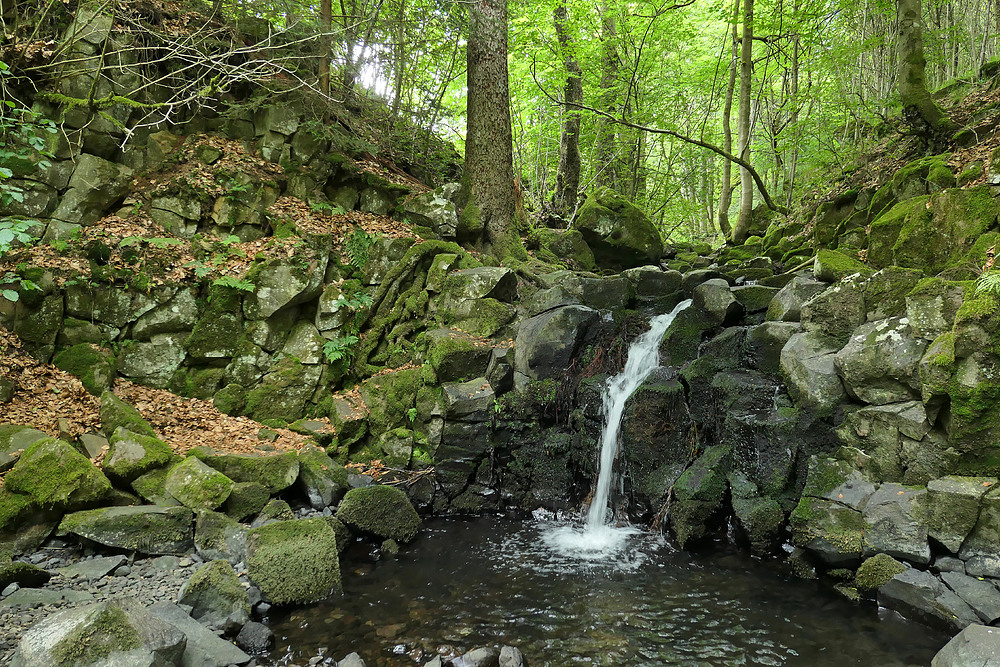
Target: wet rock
<point>808,368</point>
<point>764,343</point>
<point>351,660</point>
<point>478,657</point>
<point>952,508</point>
<point>255,638</point>
<point>982,596</point>
<point>922,596</point>
<point>975,646</point>
<point>383,511</point>
<point>323,481</point>
<point>546,343</point>
<point>216,597</point>
<point>893,515</point>
<point>831,531</point>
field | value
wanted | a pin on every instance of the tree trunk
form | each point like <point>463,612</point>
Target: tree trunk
<point>726,190</point>
<point>326,25</point>
<point>399,53</point>
<point>568,175</point>
<point>919,108</point>
<point>743,126</point>
<point>488,178</point>
<point>607,152</point>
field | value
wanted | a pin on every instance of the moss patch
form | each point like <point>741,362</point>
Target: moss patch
<point>116,413</point>
<point>877,570</point>
<point>383,511</point>
<point>55,475</point>
<point>294,562</point>
<point>107,632</point>
<point>94,366</point>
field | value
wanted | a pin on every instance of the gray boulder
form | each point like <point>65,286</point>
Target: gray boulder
<point>13,440</point>
<point>975,646</point>
<point>279,283</point>
<point>880,363</point>
<point>546,343</point>
<point>114,633</point>
<point>216,597</point>
<point>323,481</point>
<point>981,549</point>
<point>203,647</point>
<point>716,300</point>
<point>836,312</point>
<point>482,282</point>
<point>952,508</point>
<point>787,304</point>
<point>764,343</point>
<point>433,210</point>
<point>932,307</point>
<point>982,596</point>
<point>95,185</point>
<point>153,362</point>
<point>219,537</point>
<point>893,515</point>
<point>470,401</point>
<point>148,529</point>
<point>922,596</point>
<point>808,369</point>
<point>176,315</point>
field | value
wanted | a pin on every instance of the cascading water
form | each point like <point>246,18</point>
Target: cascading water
<point>598,539</point>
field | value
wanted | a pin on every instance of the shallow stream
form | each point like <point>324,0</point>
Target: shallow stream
<point>495,580</point>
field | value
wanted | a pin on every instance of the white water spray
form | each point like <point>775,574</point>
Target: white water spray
<point>599,539</point>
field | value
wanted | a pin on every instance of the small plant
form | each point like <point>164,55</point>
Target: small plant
<point>14,230</point>
<point>358,247</point>
<point>234,283</point>
<point>235,190</point>
<point>331,209</point>
<point>988,283</point>
<point>411,414</point>
<point>340,348</point>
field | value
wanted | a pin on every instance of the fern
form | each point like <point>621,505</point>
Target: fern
<point>235,283</point>
<point>339,348</point>
<point>358,247</point>
<point>988,283</point>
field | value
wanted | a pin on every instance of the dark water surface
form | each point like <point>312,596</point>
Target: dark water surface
<point>493,581</point>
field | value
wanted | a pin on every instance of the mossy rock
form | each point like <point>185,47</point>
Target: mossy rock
<point>218,330</point>
<point>276,472</point>
<point>275,510</point>
<point>568,247</point>
<point>131,455</point>
<point>216,596</point>
<point>197,485</point>
<point>382,511</point>
<point>148,529</point>
<point>322,480</point>
<point>152,487</point>
<point>284,392</point>
<point>231,399</point>
<point>116,413</point>
<point>831,266</point>
<point>95,366</point>
<point>389,397</point>
<point>877,570</point>
<point>455,355</point>
<point>885,229</point>
<point>246,500</point>
<point>15,438</point>
<point>23,574</point>
<point>54,474</point>
<point>620,235</point>
<point>294,562</point>
<point>219,537</point>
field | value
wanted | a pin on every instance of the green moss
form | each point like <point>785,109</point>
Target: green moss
<point>389,397</point>
<point>294,562</point>
<point>971,173</point>
<point>231,399</point>
<point>116,413</point>
<point>825,475</point>
<point>151,487</point>
<point>93,365</point>
<point>877,570</point>
<point>212,581</point>
<point>56,475</point>
<point>197,485</point>
<point>383,511</point>
<point>885,230</point>
<point>13,507</point>
<point>275,398</point>
<point>246,500</point>
<point>832,266</point>
<point>131,455</point>
<point>109,631</point>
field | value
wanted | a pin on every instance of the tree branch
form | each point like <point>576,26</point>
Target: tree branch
<point>676,135</point>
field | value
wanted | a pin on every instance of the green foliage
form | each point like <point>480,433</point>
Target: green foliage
<point>234,283</point>
<point>331,209</point>
<point>10,231</point>
<point>988,283</point>
<point>340,348</point>
<point>358,247</point>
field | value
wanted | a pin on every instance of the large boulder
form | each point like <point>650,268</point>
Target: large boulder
<point>546,343</point>
<point>197,485</point>
<point>116,413</point>
<point>975,646</point>
<point>455,355</point>
<point>786,306</point>
<point>294,562</point>
<point>14,439</point>
<point>216,596</point>
<point>952,508</point>
<point>620,235</point>
<point>94,366</point>
<point>807,366</point>
<point>895,526</point>
<point>921,596</point>
<point>434,210</point>
<point>981,549</point>
<point>322,480</point>
<point>880,363</point>
<point>219,537</point>
<point>716,301</point>
<point>383,511</point>
<point>836,312</point>
<point>148,529</point>
<point>53,474</point>
<point>276,472</point>
<point>283,282</point>
<point>115,632</point>
<point>131,455</point>
<point>95,185</point>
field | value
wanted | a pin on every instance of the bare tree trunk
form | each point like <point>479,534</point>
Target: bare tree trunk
<point>607,150</point>
<point>919,108</point>
<point>743,126</point>
<point>488,179</point>
<point>568,175</point>
<point>399,55</point>
<point>726,190</point>
<point>326,25</point>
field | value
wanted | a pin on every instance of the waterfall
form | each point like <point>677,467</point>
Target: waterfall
<point>643,359</point>
<point>597,541</point>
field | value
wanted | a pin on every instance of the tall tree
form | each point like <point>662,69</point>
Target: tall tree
<point>742,226</point>
<point>326,55</point>
<point>919,108</point>
<point>607,149</point>
<point>726,188</point>
<point>568,175</point>
<point>488,192</point>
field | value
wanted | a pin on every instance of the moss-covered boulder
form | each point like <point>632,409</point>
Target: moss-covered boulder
<point>389,397</point>
<point>547,343</point>
<point>216,596</point>
<point>620,235</point>
<point>24,525</point>
<point>699,493</point>
<point>14,439</point>
<point>284,392</point>
<point>876,571</point>
<point>932,304</point>
<point>152,487</point>
<point>247,499</point>
<point>831,266</point>
<point>283,282</point>
<point>831,531</point>
<point>952,508</point>
<point>455,355</point>
<point>275,510</point>
<point>218,330</point>
<point>148,529</point>
<point>132,455</point>
<point>116,413</point>
<point>383,511</point>
<point>294,562</point>
<point>276,472</point>
<point>807,366</point>
<point>322,480</point>
<point>95,366</point>
<point>115,632</point>
<point>54,474</point>
<point>219,537</point>
<point>23,574</point>
<point>879,364</point>
<point>567,246</point>
<point>197,485</point>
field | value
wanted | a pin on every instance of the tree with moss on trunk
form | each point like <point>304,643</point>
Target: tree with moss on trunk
<point>919,109</point>
<point>488,191</point>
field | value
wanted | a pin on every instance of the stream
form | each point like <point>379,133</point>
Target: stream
<point>499,580</point>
